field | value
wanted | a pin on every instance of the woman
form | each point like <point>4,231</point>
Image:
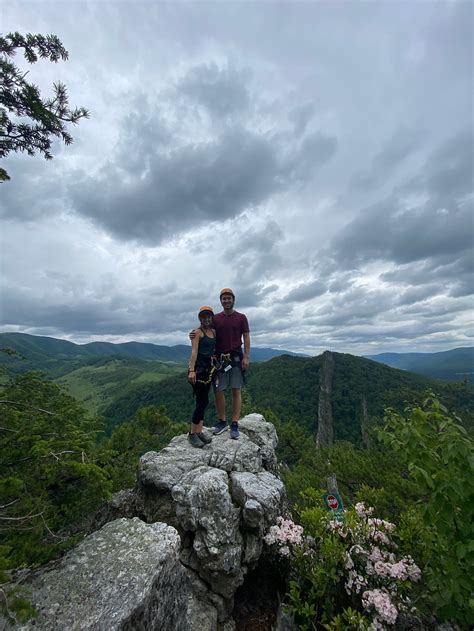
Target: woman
<point>200,373</point>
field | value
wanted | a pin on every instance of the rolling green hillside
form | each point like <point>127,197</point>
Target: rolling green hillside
<point>42,353</point>
<point>98,386</point>
<point>289,386</point>
<point>58,357</point>
<point>454,365</point>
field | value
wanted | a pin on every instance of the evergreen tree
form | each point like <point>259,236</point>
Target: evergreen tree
<point>45,118</point>
<point>49,476</point>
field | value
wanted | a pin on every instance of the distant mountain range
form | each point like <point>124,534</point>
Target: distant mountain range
<point>35,347</point>
<point>453,365</point>
<point>49,353</point>
<point>115,380</point>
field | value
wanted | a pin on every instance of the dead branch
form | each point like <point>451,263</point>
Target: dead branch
<point>26,405</point>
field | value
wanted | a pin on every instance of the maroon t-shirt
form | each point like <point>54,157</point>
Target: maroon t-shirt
<point>229,329</point>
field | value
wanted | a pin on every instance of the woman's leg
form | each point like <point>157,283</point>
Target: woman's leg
<point>201,391</point>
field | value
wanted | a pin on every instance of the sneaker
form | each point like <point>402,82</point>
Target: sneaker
<point>234,430</point>
<point>195,440</point>
<point>220,427</point>
<point>206,439</point>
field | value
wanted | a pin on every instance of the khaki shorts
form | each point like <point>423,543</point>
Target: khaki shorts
<point>230,379</point>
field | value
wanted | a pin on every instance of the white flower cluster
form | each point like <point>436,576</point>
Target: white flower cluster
<point>284,533</point>
<point>380,601</point>
<point>373,569</point>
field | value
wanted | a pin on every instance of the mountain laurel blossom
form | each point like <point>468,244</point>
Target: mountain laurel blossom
<point>372,570</point>
<point>380,601</point>
<point>359,556</point>
<point>284,532</point>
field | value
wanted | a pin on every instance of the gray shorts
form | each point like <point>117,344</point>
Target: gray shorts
<point>230,379</point>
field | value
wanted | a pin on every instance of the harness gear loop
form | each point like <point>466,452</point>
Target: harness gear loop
<point>213,366</point>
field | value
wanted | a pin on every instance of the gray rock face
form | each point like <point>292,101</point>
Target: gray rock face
<point>221,498</point>
<point>179,545</point>
<point>325,435</point>
<point>125,576</point>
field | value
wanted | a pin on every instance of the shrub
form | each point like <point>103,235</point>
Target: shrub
<point>345,574</point>
<point>438,455</point>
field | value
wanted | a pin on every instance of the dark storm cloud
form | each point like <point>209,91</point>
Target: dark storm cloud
<point>315,150</point>
<point>222,91</point>
<point>35,191</point>
<point>449,172</point>
<point>156,186</point>
<point>353,306</point>
<point>403,143</point>
<point>305,291</point>
<point>413,295</point>
<point>177,190</point>
<point>388,233</point>
<point>106,311</point>
<point>452,276</point>
<point>253,253</point>
<point>443,225</point>
<point>252,295</point>
<point>301,116</point>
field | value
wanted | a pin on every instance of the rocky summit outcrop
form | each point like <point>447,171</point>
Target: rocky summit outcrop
<point>171,552</point>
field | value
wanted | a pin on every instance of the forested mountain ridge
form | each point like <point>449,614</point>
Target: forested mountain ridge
<point>41,353</point>
<point>97,373</point>
<point>290,388</point>
<point>453,365</point>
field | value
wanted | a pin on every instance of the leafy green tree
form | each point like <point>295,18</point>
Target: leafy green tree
<point>29,123</point>
<point>439,457</point>
<point>148,430</point>
<point>49,476</point>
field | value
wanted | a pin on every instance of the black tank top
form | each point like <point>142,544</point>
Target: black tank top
<point>207,346</point>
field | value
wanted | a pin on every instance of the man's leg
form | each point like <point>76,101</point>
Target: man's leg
<point>221,425</point>
<point>236,403</point>
<point>219,397</point>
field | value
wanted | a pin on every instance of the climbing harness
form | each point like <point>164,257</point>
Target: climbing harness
<point>210,375</point>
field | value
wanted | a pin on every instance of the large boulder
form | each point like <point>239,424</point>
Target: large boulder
<point>125,576</point>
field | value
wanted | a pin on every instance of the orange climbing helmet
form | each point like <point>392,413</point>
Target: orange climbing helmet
<point>227,290</point>
<point>205,309</point>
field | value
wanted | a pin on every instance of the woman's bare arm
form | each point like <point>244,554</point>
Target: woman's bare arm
<point>192,359</point>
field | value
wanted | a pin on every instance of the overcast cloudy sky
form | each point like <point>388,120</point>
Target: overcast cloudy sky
<point>317,157</point>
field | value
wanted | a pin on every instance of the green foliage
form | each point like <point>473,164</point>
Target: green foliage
<point>98,385</point>
<point>49,477</point>
<point>348,620</point>
<point>149,430</point>
<point>15,606</point>
<point>362,475</point>
<point>438,454</point>
<point>346,574</point>
<point>47,118</point>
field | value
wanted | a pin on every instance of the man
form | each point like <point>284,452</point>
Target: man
<point>231,326</point>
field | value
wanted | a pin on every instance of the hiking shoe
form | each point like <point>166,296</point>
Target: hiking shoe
<point>234,430</point>
<point>195,440</point>
<point>206,439</point>
<point>220,427</point>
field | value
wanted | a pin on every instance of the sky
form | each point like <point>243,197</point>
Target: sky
<point>316,157</point>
